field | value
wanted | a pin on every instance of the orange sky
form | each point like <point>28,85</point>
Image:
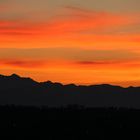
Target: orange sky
<point>71,44</point>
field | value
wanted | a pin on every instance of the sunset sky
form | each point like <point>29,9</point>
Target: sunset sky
<point>71,41</point>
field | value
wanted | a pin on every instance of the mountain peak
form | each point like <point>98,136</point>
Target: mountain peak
<point>15,75</point>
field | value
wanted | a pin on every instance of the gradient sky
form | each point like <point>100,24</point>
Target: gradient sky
<point>71,41</point>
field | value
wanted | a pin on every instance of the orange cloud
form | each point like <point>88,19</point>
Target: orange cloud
<point>90,63</point>
<point>77,28</point>
<point>67,25</point>
<point>31,64</point>
<point>65,64</point>
<point>82,29</point>
<point>75,72</point>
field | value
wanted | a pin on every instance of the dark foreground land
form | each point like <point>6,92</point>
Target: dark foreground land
<point>72,122</point>
<point>69,123</point>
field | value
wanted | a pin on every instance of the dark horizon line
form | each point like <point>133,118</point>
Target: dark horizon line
<point>17,75</point>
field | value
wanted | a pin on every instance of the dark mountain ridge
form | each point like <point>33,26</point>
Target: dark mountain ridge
<point>25,91</point>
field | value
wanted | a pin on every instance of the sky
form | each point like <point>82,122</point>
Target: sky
<point>73,41</point>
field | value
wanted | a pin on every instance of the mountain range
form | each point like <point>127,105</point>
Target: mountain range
<point>25,91</point>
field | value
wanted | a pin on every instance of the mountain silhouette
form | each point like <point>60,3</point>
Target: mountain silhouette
<point>25,91</point>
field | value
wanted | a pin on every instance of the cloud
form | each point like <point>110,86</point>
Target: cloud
<point>69,54</point>
<point>16,27</point>
<point>74,20</point>
<point>94,62</point>
<point>22,63</point>
<point>82,18</point>
<point>76,10</point>
<point>76,27</point>
<point>104,64</point>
